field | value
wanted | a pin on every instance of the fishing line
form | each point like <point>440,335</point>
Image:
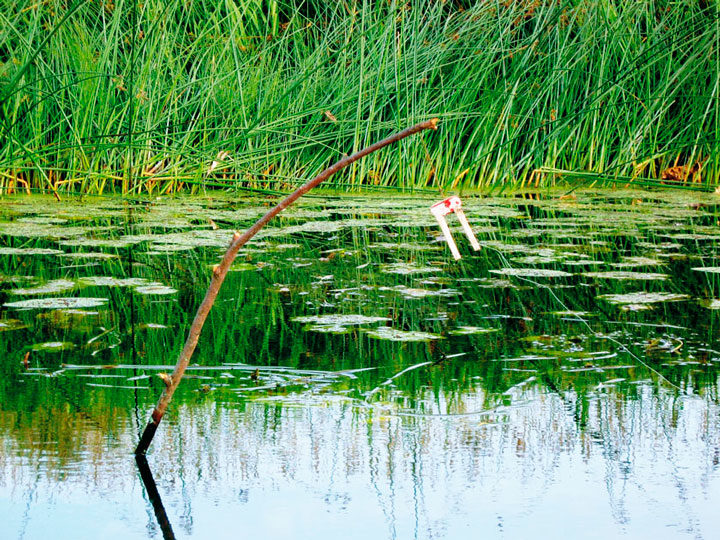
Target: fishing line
<point>579,318</point>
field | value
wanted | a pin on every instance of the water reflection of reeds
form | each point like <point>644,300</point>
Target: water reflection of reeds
<point>527,377</point>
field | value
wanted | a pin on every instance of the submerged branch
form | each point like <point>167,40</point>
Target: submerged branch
<point>219,272</point>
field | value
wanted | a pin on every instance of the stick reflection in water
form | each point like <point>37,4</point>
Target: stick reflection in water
<point>154,496</point>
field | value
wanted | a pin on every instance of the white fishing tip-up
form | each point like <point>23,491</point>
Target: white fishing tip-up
<point>453,205</point>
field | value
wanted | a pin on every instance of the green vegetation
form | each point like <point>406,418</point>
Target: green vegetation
<point>142,98</point>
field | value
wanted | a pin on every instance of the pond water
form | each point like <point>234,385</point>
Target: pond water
<point>353,380</point>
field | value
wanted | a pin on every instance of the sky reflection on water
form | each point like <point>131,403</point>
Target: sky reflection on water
<point>642,468</point>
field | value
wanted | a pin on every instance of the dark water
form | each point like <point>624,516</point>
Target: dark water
<point>353,381</point>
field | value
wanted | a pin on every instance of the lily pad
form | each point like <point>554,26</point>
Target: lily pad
<point>29,251</point>
<point>97,242</point>
<point>530,272</point>
<point>409,292</point>
<point>152,326</point>
<point>392,334</point>
<point>537,259</point>
<point>109,281</point>
<point>53,346</point>
<point>90,255</point>
<point>336,324</point>
<point>583,262</point>
<point>42,220</point>
<point>408,269</point>
<point>710,303</point>
<point>57,303</point>
<point>692,236</point>
<point>571,314</point>
<point>643,297</point>
<point>56,286</point>
<point>632,262</point>
<point>469,330</point>
<point>6,325</point>
<point>708,269</point>
<point>243,267</point>
<point>155,288</point>
<point>489,283</point>
<point>624,275</point>
<point>163,249</point>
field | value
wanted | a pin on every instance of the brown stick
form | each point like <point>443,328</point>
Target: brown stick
<point>219,272</point>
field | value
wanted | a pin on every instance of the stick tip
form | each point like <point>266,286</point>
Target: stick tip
<point>433,122</point>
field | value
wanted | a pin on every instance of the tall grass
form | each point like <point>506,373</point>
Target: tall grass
<point>143,97</point>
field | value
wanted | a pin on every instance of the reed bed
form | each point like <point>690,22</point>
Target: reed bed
<point>156,97</point>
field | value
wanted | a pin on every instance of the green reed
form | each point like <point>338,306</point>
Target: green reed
<point>143,98</point>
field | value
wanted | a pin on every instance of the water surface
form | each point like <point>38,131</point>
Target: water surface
<point>353,380</point>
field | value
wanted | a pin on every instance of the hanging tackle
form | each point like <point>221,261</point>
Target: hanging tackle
<point>453,205</point>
